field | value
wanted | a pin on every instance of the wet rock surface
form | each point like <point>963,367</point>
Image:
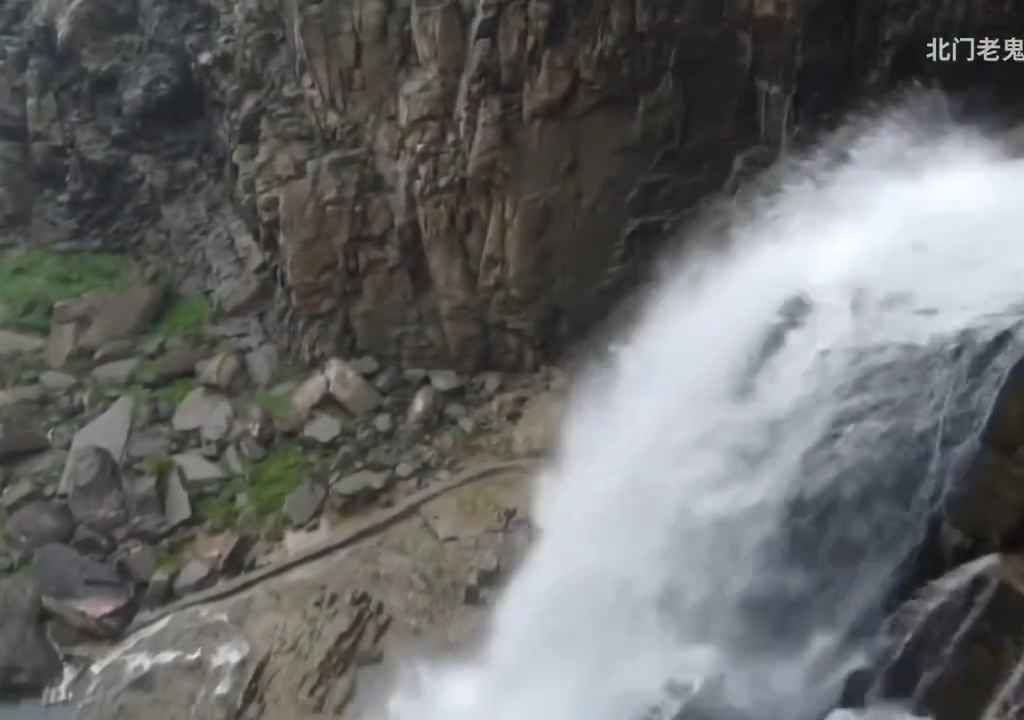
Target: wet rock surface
<point>28,660</point>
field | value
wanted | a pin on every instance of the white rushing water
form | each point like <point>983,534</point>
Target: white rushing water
<point>674,472</point>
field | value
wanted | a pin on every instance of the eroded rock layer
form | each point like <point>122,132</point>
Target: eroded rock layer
<point>435,181</point>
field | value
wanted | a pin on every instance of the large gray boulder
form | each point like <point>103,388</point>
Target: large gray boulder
<point>85,593</point>
<point>39,523</point>
<point>28,660</point>
<point>957,642</point>
<point>96,496</point>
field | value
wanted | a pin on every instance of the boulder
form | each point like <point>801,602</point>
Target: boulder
<point>350,389</point>
<point>197,472</point>
<point>176,363</point>
<point>538,429</point>
<point>261,365</point>
<point>446,381</point>
<point>95,493</point>
<point>195,576</point>
<point>120,349</point>
<point>152,442</point>
<point>299,403</point>
<point>99,317</point>
<point>424,407</point>
<point>55,381</point>
<point>322,428</point>
<point>109,431</point>
<point>360,483</point>
<point>20,438</point>
<point>91,543</point>
<point>87,594</point>
<point>304,502</point>
<point>39,523</point>
<point>984,497</point>
<point>196,409</point>
<point>118,372</point>
<point>237,553</point>
<point>953,646</point>
<point>138,560</point>
<point>205,662</point>
<point>218,423</point>
<point>12,343</point>
<point>28,660</point>
<point>17,494</point>
<point>222,372</point>
<point>366,365</point>
<point>21,395</point>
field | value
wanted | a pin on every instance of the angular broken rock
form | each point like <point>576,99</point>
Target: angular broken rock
<point>222,371</point>
<point>445,381</point>
<point>114,350</point>
<point>366,365</point>
<point>12,343</point>
<point>174,364</point>
<point>57,381</point>
<point>91,543</point>
<point>177,505</point>
<point>301,402</point>
<point>139,561</point>
<point>954,645</point>
<point>28,660</point>
<point>323,428</point>
<point>119,372</point>
<point>198,472</point>
<point>350,389</point>
<point>236,555</point>
<point>95,494</point>
<point>196,409</point>
<point>104,316</point>
<point>39,523</point>
<point>21,394</point>
<point>261,364</point>
<point>109,431</point>
<point>304,502</point>
<point>196,575</point>
<point>363,482</point>
<point>19,493</point>
<point>61,344</point>
<point>217,424</point>
<point>85,593</point>
<point>151,442</point>
<point>20,439</point>
<point>424,408</point>
<point>143,496</point>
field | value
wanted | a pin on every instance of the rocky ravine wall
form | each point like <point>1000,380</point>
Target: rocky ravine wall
<point>436,181</point>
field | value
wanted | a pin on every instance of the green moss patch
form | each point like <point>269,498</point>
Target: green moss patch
<point>222,510</point>
<point>277,406</point>
<point>275,477</point>
<point>188,316</point>
<point>176,392</point>
<point>31,281</point>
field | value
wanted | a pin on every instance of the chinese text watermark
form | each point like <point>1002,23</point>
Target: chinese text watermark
<point>969,49</point>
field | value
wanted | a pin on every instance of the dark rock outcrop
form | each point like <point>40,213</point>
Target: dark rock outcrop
<point>39,523</point>
<point>28,661</point>
<point>96,497</point>
<point>440,182</point>
<point>958,641</point>
<point>86,594</point>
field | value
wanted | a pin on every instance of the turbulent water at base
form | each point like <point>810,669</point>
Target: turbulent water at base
<point>735,499</point>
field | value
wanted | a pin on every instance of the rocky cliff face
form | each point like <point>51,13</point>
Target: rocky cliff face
<point>436,181</point>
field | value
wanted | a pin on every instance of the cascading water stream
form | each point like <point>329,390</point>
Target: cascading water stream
<point>732,502</point>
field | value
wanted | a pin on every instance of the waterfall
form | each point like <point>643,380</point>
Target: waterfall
<point>735,499</point>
